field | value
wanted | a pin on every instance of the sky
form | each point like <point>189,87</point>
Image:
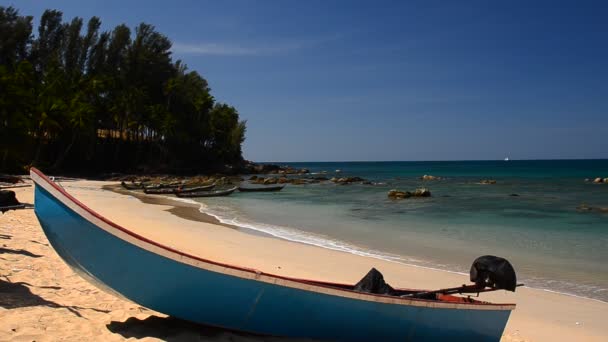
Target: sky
<point>391,80</point>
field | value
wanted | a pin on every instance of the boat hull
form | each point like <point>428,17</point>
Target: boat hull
<point>215,193</point>
<point>215,294</point>
<point>261,189</point>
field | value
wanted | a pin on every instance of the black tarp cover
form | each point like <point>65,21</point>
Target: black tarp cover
<point>373,282</point>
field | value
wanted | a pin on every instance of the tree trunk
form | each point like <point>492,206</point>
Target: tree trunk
<point>65,153</point>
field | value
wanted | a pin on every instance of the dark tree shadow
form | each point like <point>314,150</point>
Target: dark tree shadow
<point>174,329</point>
<point>19,252</point>
<point>5,237</point>
<point>18,295</point>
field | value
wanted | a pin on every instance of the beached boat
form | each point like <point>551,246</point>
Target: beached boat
<point>264,188</point>
<point>178,190</point>
<point>191,288</point>
<point>195,189</point>
<point>216,193</point>
<point>162,186</point>
<point>159,191</point>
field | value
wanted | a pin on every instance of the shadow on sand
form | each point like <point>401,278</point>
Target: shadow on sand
<point>19,252</point>
<point>19,295</point>
<point>174,329</point>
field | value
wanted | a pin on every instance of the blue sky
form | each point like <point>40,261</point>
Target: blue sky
<point>392,80</point>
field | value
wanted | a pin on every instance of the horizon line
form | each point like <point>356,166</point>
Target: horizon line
<point>435,160</point>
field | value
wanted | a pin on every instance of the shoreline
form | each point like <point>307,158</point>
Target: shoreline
<point>182,208</point>
<point>539,316</point>
<point>194,212</point>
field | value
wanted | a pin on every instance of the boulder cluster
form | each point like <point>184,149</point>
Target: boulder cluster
<point>349,180</point>
<point>308,180</point>
<point>430,178</point>
<point>288,170</point>
<point>487,181</point>
<point>249,167</point>
<point>185,181</point>
<point>598,180</point>
<point>398,194</point>
<point>279,180</point>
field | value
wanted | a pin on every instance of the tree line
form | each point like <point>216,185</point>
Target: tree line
<point>77,99</point>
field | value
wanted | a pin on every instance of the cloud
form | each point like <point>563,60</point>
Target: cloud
<point>227,50</point>
<point>223,49</point>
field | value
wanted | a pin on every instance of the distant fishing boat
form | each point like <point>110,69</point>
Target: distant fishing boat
<point>195,189</point>
<point>174,185</point>
<point>215,193</point>
<point>264,188</point>
<point>178,190</point>
<point>204,291</point>
<point>507,159</point>
<point>159,191</point>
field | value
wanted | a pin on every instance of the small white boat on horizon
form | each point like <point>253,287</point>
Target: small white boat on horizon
<point>507,159</point>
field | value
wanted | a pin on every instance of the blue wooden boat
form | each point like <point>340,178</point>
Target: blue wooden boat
<point>238,298</point>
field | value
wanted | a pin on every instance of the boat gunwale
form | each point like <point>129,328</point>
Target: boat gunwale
<point>322,287</point>
<point>268,188</point>
<point>206,193</point>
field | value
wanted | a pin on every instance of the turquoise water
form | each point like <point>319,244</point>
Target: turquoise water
<point>550,243</point>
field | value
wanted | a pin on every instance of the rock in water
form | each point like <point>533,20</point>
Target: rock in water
<point>270,180</point>
<point>598,180</point>
<point>584,207</point>
<point>347,180</point>
<point>397,194</point>
<point>487,181</point>
<point>422,192</point>
<point>430,178</point>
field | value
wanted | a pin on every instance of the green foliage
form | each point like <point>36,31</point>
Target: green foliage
<point>79,100</point>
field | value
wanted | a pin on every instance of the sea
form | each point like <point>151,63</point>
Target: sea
<point>532,217</point>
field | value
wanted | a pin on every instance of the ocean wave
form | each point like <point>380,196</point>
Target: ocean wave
<point>295,235</point>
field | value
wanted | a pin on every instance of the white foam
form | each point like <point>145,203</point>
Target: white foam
<point>295,235</point>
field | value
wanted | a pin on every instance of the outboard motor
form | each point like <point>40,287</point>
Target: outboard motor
<point>494,272</point>
<point>488,272</point>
